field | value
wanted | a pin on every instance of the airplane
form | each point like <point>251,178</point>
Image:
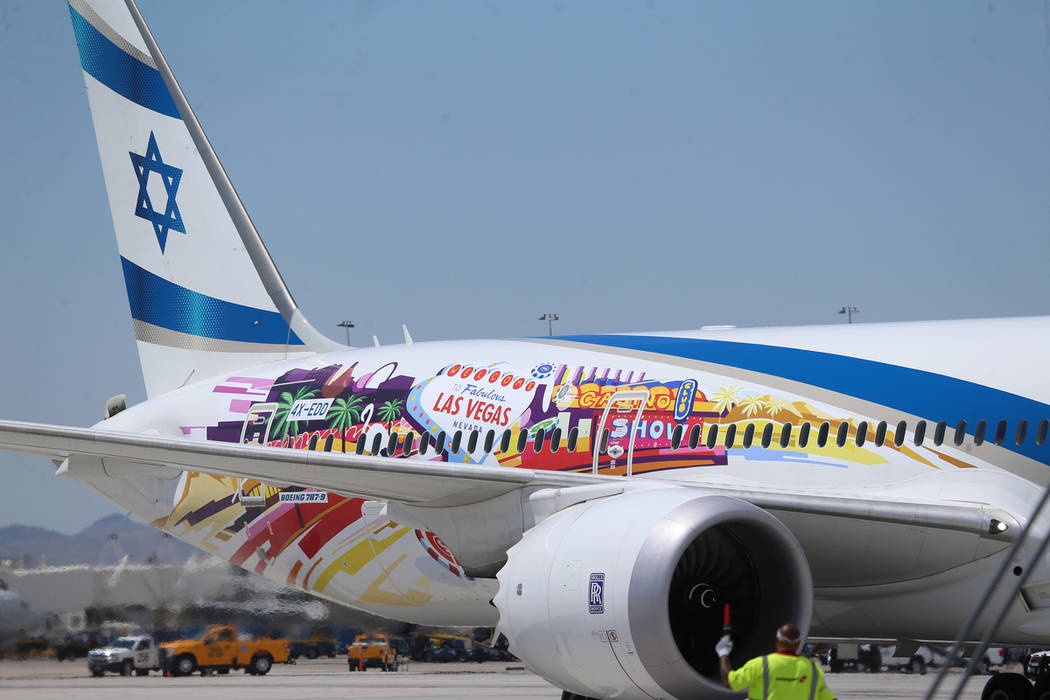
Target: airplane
<point>601,500</point>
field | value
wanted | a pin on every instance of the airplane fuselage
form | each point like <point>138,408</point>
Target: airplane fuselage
<point>709,410</point>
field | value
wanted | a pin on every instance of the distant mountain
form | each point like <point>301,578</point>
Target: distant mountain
<point>103,542</point>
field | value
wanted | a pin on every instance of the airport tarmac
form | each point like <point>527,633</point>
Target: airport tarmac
<point>328,678</point>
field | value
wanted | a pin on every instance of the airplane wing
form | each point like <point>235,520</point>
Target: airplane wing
<point>410,481</point>
<point>429,483</point>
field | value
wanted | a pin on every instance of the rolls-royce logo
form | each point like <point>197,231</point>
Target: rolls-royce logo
<point>596,598</point>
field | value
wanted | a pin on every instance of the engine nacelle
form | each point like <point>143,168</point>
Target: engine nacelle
<point>624,596</point>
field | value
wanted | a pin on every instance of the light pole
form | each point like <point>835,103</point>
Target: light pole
<point>550,318</point>
<point>849,311</point>
<point>347,325</point>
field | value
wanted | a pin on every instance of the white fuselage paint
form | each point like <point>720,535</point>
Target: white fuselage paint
<point>871,579</point>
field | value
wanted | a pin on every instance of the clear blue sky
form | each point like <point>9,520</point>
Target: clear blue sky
<point>463,167</point>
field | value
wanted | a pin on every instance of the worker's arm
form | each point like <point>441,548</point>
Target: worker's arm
<point>725,667</point>
<point>723,648</point>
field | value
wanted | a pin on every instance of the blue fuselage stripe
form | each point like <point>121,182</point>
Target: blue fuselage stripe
<point>124,74</point>
<point>162,303</point>
<point>932,396</point>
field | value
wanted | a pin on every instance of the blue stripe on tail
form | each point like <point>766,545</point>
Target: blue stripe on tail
<point>165,304</point>
<point>125,75</point>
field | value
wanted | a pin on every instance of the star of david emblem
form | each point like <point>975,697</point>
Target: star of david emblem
<point>170,175</point>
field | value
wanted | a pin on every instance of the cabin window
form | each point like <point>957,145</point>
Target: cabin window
<point>457,441</point>
<point>767,435</point>
<point>730,434</point>
<point>822,434</point>
<point>328,443</point>
<point>472,441</point>
<point>360,447</point>
<point>712,436</point>
<point>803,435</point>
<point>899,433</point>
<point>694,436</point>
<point>960,432</point>
<point>1040,434</point>
<point>938,433</point>
<point>541,435</point>
<point>749,434</point>
<point>523,439</point>
<point>313,442</point>
<point>439,445</point>
<point>1000,432</point>
<point>605,442</point>
<point>676,437</point>
<point>504,442</point>
<point>490,440</point>
<point>377,443</point>
<point>1022,431</point>
<point>840,438</point>
<point>862,433</point>
<point>555,440</point>
<point>979,431</point>
<point>574,436</point>
<point>406,449</point>
<point>391,445</point>
<point>920,432</point>
<point>880,434</point>
<point>785,435</point>
<point>424,443</point>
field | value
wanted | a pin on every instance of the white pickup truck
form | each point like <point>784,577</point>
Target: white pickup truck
<point>125,655</point>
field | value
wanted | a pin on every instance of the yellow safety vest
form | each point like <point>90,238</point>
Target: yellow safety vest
<point>780,677</point>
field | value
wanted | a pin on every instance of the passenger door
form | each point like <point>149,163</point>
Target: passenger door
<point>617,429</point>
<point>256,428</point>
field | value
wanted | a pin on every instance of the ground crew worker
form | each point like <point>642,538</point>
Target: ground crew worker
<point>783,675</point>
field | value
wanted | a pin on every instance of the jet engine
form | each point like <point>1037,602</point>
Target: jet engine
<point>624,596</point>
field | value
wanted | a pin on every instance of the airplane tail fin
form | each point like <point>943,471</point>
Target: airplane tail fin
<point>205,295</point>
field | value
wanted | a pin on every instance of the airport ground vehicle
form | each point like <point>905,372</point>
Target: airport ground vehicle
<point>855,657</point>
<point>31,647</point>
<point>873,657</point>
<point>314,648</point>
<point>371,651</point>
<point>220,650</point>
<point>441,647</point>
<point>993,658</point>
<point>480,652</point>
<point>1037,668</point>
<point>76,646</point>
<point>444,653</point>
<point>1038,665</point>
<point>917,661</point>
<point>124,655</point>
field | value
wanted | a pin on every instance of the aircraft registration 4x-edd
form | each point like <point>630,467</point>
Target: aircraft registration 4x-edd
<point>598,499</point>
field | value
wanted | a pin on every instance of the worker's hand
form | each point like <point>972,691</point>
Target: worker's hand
<point>724,646</point>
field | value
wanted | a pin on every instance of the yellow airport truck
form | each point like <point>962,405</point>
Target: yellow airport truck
<point>221,649</point>
<point>371,650</point>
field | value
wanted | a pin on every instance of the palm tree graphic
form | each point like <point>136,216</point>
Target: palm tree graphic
<point>776,405</point>
<point>282,426</point>
<point>390,411</point>
<point>726,398</point>
<point>752,404</point>
<point>344,412</point>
